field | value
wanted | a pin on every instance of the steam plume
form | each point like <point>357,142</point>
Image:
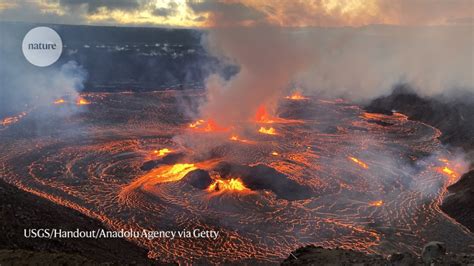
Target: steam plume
<point>356,63</point>
<point>267,65</point>
<point>24,85</point>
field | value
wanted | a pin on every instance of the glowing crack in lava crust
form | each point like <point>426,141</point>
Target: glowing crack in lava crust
<point>337,178</point>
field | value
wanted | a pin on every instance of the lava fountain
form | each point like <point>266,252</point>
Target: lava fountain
<point>232,184</point>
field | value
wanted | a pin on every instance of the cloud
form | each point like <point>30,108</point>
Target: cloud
<point>232,13</point>
<point>358,63</point>
<point>166,11</point>
<point>211,13</point>
<point>367,62</point>
<point>94,5</point>
<point>425,12</point>
<point>323,13</point>
<point>40,12</point>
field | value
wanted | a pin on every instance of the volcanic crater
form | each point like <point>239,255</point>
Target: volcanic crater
<point>318,171</point>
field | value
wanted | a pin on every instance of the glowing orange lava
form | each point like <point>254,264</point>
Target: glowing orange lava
<point>373,116</point>
<point>296,96</point>
<point>175,172</point>
<point>162,152</point>
<point>444,160</point>
<point>261,116</point>
<point>163,174</point>
<point>167,173</point>
<point>269,131</point>
<point>451,170</point>
<point>207,126</point>
<point>275,153</point>
<point>13,119</point>
<point>237,138</point>
<point>59,101</point>
<point>452,174</point>
<point>359,162</point>
<point>82,101</point>
<point>233,184</point>
<point>197,124</point>
<point>377,203</point>
<point>8,120</point>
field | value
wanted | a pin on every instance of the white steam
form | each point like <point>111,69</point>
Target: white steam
<point>267,64</point>
<point>356,63</point>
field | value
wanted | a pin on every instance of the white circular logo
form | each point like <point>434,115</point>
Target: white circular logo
<point>42,46</point>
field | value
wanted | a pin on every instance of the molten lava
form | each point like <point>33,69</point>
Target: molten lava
<point>197,124</point>
<point>175,172</point>
<point>377,203</point>
<point>359,162</point>
<point>82,101</point>
<point>233,184</point>
<point>237,138</point>
<point>162,152</point>
<point>261,116</point>
<point>451,170</point>
<point>13,119</point>
<point>59,101</point>
<point>269,131</point>
<point>294,188</point>
<point>8,120</point>
<point>296,96</point>
<point>212,126</point>
<point>166,174</point>
<point>452,174</point>
<point>207,126</point>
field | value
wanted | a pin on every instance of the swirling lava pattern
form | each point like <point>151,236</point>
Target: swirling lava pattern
<point>374,179</point>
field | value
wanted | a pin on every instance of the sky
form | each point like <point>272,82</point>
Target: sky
<point>210,13</point>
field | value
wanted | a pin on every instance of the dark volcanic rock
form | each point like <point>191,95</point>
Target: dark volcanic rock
<point>377,107</point>
<point>460,202</point>
<point>453,116</point>
<point>20,210</point>
<point>381,123</point>
<point>167,159</point>
<point>198,178</point>
<point>261,177</point>
<point>27,257</point>
<point>402,259</point>
<point>312,255</point>
<point>432,251</point>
